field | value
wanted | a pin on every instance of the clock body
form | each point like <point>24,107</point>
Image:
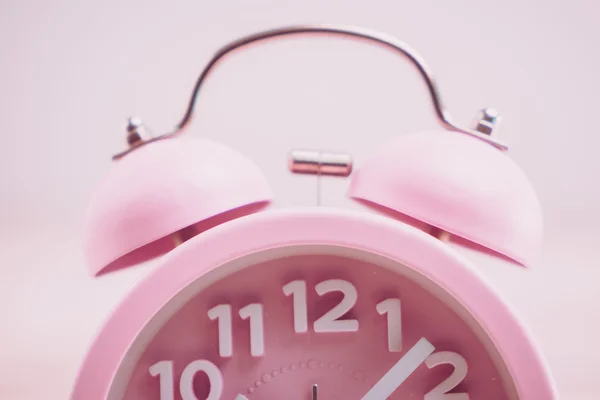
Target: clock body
<point>277,304</point>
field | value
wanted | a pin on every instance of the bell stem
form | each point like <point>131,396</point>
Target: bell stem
<point>439,234</point>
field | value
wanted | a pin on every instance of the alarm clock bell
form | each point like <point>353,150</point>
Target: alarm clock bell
<point>162,194</point>
<point>459,187</point>
<point>458,183</point>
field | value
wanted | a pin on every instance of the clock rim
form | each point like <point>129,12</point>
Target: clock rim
<point>359,230</point>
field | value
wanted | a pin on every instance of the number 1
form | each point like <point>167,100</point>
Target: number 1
<point>391,307</point>
<point>222,313</point>
<point>298,291</point>
<point>255,313</point>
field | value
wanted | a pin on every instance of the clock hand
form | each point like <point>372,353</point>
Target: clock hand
<point>314,392</point>
<point>240,397</point>
<point>400,371</point>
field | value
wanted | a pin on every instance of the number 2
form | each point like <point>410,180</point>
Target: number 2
<point>440,392</point>
<point>328,322</point>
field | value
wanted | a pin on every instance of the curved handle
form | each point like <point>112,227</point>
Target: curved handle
<point>377,38</point>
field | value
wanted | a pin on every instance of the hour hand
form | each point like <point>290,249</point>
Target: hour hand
<point>400,371</point>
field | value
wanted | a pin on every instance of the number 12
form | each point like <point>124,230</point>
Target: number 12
<point>329,322</point>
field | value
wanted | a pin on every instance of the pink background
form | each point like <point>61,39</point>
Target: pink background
<point>72,71</point>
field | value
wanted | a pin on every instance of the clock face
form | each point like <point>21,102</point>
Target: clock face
<point>312,322</point>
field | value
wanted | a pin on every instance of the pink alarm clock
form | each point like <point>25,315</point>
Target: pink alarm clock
<point>254,303</point>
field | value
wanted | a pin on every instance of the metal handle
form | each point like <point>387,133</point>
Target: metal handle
<point>136,138</point>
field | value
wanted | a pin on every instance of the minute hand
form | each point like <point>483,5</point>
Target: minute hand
<point>400,371</point>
